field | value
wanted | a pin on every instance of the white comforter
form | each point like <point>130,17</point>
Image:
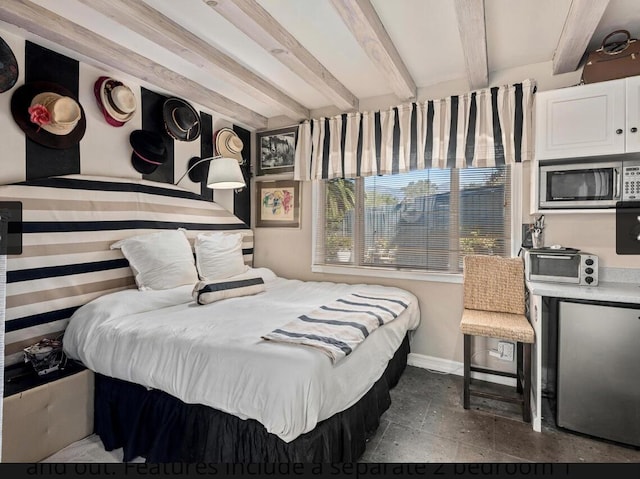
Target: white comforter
<point>213,355</point>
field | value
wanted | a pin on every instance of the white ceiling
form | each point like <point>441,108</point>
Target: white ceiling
<point>425,34</point>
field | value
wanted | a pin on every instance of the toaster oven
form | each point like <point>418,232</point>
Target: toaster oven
<point>568,266</point>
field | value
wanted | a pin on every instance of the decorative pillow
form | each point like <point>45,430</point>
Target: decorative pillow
<point>206,292</point>
<point>160,260</point>
<point>219,255</point>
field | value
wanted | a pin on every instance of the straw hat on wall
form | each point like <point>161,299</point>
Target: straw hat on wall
<point>116,100</point>
<point>229,144</point>
<point>49,114</point>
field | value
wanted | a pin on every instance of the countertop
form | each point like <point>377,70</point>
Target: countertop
<point>620,285</point>
<point>605,291</point>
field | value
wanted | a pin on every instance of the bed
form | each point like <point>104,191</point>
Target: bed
<point>180,381</point>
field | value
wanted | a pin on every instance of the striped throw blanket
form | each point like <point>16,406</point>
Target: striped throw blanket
<point>339,327</point>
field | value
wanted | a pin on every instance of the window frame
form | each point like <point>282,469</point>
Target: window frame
<point>410,274</point>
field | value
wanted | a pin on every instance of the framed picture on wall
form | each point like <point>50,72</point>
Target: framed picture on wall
<point>276,151</point>
<point>278,204</point>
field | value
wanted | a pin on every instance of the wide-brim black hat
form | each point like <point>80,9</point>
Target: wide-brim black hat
<point>20,103</point>
<point>181,120</point>
<point>8,67</point>
<point>149,151</point>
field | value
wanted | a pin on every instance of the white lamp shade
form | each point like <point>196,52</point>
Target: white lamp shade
<point>225,173</point>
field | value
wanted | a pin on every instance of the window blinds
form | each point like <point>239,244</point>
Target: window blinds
<point>422,220</point>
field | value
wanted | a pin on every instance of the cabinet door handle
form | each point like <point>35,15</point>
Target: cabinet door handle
<point>634,129</point>
<point>619,131</point>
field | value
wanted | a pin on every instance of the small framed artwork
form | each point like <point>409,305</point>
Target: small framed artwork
<point>276,151</point>
<point>278,203</point>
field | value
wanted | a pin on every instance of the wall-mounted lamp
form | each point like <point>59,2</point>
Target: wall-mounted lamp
<point>224,173</point>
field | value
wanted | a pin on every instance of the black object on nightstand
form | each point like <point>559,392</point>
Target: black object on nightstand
<point>21,377</point>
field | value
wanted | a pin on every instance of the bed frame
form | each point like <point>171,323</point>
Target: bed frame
<point>68,225</point>
<point>157,426</point>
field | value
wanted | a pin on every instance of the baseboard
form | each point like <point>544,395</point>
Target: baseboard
<point>453,367</point>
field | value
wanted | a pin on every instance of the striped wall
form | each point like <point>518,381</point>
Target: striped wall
<point>3,287</point>
<point>104,150</point>
<point>66,260</point>
<point>69,224</point>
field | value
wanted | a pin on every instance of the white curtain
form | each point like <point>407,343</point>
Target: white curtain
<point>483,128</point>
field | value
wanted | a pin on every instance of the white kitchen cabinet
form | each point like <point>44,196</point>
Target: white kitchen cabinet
<point>632,134</point>
<point>588,120</point>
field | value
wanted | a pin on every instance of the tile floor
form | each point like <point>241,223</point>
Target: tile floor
<point>426,423</point>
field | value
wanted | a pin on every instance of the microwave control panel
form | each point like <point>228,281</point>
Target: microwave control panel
<point>631,183</point>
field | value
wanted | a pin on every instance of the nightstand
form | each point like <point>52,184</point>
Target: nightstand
<point>43,414</point>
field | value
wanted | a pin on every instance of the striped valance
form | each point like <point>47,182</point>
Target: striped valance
<point>482,128</point>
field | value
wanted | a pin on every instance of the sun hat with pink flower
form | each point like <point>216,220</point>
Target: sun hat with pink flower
<point>49,114</point>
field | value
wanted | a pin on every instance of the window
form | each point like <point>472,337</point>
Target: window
<point>422,220</point>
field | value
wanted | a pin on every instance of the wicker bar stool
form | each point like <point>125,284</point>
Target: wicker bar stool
<point>494,307</point>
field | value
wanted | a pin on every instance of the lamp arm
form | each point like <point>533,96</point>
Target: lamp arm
<point>202,160</point>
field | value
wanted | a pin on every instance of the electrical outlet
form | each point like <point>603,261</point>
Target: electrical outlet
<point>506,350</point>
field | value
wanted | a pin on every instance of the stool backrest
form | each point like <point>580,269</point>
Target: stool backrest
<point>492,283</point>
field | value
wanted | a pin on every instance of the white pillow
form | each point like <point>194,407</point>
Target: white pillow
<point>205,292</point>
<point>219,255</point>
<point>160,260</point>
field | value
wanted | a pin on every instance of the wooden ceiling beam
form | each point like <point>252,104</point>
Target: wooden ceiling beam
<point>50,26</point>
<point>364,23</point>
<point>581,22</point>
<point>473,34</point>
<point>156,27</point>
<point>255,22</point>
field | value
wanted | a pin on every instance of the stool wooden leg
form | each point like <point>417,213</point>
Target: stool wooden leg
<point>519,369</point>
<point>526,405</point>
<point>467,370</point>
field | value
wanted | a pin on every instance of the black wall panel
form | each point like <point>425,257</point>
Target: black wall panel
<point>242,200</point>
<point>42,64</point>
<point>152,120</point>
<point>206,151</point>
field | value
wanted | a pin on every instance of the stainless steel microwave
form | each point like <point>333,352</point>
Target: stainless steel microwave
<point>588,184</point>
<point>569,266</point>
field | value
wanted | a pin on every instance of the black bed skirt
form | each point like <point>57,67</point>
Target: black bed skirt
<point>161,428</point>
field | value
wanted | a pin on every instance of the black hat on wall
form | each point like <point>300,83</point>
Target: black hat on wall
<point>149,151</point>
<point>8,67</point>
<point>181,120</point>
<point>49,114</point>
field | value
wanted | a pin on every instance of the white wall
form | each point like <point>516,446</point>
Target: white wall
<point>104,149</point>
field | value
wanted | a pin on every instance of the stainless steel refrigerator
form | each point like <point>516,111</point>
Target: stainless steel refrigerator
<point>598,389</point>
